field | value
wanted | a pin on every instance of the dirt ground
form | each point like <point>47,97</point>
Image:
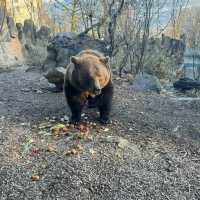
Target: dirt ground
<point>150,151</point>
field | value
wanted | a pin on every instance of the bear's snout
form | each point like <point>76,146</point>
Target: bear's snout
<point>97,91</point>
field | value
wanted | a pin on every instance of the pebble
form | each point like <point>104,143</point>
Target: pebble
<point>38,91</point>
<point>25,90</point>
<point>2,117</point>
<point>106,130</point>
<point>66,118</point>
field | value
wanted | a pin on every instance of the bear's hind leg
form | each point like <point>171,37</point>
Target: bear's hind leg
<point>106,104</point>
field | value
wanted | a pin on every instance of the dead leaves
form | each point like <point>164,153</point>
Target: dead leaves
<point>59,130</point>
<point>26,146</point>
<point>83,136</point>
<point>51,149</point>
<point>74,151</point>
<point>122,144</point>
<point>57,127</point>
<point>35,178</point>
<point>84,131</point>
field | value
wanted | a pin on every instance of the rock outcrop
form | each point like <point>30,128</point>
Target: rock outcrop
<point>34,42</point>
<point>146,83</point>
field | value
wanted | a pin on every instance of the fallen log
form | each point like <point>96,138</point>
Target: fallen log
<point>184,84</point>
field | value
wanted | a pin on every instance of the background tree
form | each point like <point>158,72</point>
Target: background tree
<point>2,14</point>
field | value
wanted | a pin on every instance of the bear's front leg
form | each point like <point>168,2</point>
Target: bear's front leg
<point>76,109</point>
<point>106,103</point>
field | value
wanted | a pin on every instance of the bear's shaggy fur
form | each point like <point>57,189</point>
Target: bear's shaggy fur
<point>88,78</point>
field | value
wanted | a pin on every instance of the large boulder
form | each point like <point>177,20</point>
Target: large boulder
<point>56,76</point>
<point>61,48</point>
<point>144,82</point>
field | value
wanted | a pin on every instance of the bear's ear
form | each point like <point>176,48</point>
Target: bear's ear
<point>105,60</point>
<point>75,60</point>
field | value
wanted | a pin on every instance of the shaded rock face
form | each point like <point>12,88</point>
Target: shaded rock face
<point>19,27</point>
<point>29,31</point>
<point>11,27</point>
<point>61,48</point>
<point>146,83</point>
<point>34,42</point>
<point>43,33</point>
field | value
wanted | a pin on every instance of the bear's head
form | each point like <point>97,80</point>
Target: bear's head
<point>91,73</point>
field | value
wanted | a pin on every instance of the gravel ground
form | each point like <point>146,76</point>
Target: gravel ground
<point>150,151</point>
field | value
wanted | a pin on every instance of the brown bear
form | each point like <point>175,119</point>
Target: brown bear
<point>89,78</point>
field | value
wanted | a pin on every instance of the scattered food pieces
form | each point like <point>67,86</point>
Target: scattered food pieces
<point>51,149</point>
<point>65,129</point>
<point>35,178</point>
<point>27,145</point>
<point>83,136</point>
<point>74,151</point>
<point>57,127</point>
<point>122,143</point>
<point>83,128</point>
<point>93,153</point>
<point>35,151</point>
